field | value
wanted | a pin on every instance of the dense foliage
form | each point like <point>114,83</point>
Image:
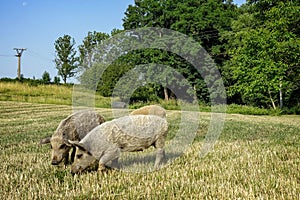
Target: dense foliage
<point>264,54</point>
<point>255,47</point>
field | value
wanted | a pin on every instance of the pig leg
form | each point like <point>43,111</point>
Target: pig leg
<point>115,163</point>
<point>160,152</point>
<point>109,155</point>
<point>160,157</point>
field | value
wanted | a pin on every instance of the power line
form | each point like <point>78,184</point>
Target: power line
<point>2,55</point>
<point>39,56</point>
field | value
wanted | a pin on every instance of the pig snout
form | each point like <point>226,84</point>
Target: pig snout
<point>55,160</point>
<point>75,169</point>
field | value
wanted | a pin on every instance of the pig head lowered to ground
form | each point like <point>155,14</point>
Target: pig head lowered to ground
<point>125,134</point>
<point>74,127</point>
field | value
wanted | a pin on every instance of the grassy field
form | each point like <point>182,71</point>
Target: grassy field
<point>64,94</point>
<point>45,94</point>
<point>256,157</point>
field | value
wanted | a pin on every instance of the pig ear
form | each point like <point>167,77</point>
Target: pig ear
<point>45,140</point>
<point>77,144</point>
<point>68,142</point>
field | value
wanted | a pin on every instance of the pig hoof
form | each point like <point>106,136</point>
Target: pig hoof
<point>101,168</point>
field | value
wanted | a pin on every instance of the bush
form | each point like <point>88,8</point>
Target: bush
<point>56,80</point>
<point>295,110</point>
<point>247,110</point>
<point>46,78</point>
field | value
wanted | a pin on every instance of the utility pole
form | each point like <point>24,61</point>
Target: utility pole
<point>19,54</point>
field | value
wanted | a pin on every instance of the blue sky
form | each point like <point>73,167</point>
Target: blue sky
<point>36,24</point>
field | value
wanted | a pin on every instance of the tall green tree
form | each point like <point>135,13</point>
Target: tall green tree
<point>265,53</point>
<point>102,72</point>
<point>87,49</point>
<point>66,60</point>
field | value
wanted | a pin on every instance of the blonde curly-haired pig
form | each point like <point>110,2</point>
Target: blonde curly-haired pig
<point>126,134</point>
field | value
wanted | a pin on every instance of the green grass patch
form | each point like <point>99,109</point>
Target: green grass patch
<point>24,92</point>
<point>63,95</point>
<point>45,94</point>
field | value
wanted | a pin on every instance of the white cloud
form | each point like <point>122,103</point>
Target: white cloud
<point>24,3</point>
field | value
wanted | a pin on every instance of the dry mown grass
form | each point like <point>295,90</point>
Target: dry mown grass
<point>254,158</point>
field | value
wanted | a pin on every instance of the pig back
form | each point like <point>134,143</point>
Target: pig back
<point>136,132</point>
<point>85,121</point>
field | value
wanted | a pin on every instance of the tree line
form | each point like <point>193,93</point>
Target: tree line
<point>255,47</point>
